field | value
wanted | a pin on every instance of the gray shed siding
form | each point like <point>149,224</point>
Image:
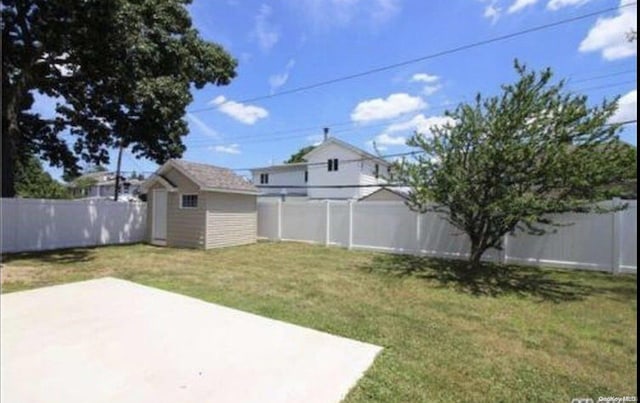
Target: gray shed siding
<point>232,219</point>
<point>185,227</point>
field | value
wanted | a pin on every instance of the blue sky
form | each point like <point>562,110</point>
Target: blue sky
<point>281,45</point>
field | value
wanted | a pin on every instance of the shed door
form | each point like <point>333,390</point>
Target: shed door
<point>159,222</point>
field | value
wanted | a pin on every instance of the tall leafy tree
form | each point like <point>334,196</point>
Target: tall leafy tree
<point>506,162</point>
<point>120,71</point>
<point>34,183</point>
<point>298,156</point>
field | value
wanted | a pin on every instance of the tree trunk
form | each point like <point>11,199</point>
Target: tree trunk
<point>476,252</point>
<point>117,187</point>
<point>10,137</point>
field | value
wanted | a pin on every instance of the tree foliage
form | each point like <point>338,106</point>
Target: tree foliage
<point>299,155</point>
<point>506,162</point>
<point>34,183</point>
<point>120,72</point>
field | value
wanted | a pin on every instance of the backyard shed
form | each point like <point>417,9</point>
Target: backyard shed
<point>200,206</point>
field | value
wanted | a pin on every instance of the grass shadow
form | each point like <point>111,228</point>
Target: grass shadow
<point>57,256</point>
<point>488,280</point>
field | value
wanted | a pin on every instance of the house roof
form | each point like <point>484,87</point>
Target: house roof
<point>208,177</point>
<point>403,192</point>
<point>338,142</point>
<point>103,178</point>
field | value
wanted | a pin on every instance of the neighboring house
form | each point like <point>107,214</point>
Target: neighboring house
<point>330,172</point>
<point>200,206</point>
<point>388,194</point>
<point>101,185</point>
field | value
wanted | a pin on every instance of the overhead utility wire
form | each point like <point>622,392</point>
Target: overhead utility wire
<point>429,56</point>
<point>435,107</point>
<point>262,139</point>
<point>403,154</point>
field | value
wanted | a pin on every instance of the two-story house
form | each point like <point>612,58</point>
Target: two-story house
<point>101,185</point>
<point>332,170</point>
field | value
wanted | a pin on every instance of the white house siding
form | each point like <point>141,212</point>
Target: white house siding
<point>348,173</point>
<point>282,176</point>
<point>367,177</point>
<point>231,219</point>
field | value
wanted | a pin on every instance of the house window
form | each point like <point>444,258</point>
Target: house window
<point>376,171</point>
<point>306,176</point>
<point>264,179</point>
<point>332,164</point>
<point>189,201</point>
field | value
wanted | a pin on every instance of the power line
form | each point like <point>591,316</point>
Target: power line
<point>427,57</point>
<point>262,139</point>
<point>402,154</point>
<point>436,107</point>
<point>619,73</point>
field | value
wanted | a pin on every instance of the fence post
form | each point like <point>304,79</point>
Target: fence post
<point>279,223</point>
<point>327,229</point>
<point>615,244</point>
<point>418,231</point>
<point>505,245</point>
<point>350,233</point>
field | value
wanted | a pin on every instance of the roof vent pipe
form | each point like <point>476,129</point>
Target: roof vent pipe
<point>326,133</point>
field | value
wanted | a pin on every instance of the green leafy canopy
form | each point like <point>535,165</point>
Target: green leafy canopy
<point>510,160</point>
<point>121,72</point>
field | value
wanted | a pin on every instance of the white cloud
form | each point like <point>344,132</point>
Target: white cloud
<point>519,5</point>
<point>392,136</point>
<point>627,108</point>
<point>554,5</point>
<point>431,89</point>
<point>315,139</point>
<point>424,78</point>
<point>247,114</point>
<point>394,105</point>
<point>608,35</point>
<point>264,31</point>
<point>202,127</point>
<point>278,80</point>
<point>492,12</point>
<point>229,149</point>
<point>386,139</point>
<point>420,124</point>
<point>432,81</point>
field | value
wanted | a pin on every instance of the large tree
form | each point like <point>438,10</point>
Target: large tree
<point>120,71</point>
<point>506,162</point>
<point>298,156</point>
<point>34,183</point>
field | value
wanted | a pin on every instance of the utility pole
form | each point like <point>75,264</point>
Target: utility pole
<point>117,187</point>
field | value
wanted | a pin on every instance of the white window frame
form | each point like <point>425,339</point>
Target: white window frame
<point>189,194</point>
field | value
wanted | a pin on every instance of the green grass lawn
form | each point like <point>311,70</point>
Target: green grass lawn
<point>501,334</point>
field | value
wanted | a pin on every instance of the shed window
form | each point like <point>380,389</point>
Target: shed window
<point>306,176</point>
<point>264,179</point>
<point>189,201</point>
<point>376,171</point>
<point>332,164</point>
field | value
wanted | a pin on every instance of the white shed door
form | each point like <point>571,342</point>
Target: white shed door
<point>159,224</point>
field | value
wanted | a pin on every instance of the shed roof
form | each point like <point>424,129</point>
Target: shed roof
<point>210,177</point>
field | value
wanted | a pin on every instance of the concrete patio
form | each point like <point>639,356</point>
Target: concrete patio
<point>112,340</point>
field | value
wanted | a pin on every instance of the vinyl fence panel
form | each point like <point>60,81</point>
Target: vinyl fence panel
<point>384,226</point>
<point>590,241</point>
<point>35,224</point>
<point>304,221</point>
<point>628,221</point>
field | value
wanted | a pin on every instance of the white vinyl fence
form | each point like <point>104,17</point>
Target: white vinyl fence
<point>34,224</point>
<point>604,242</point>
